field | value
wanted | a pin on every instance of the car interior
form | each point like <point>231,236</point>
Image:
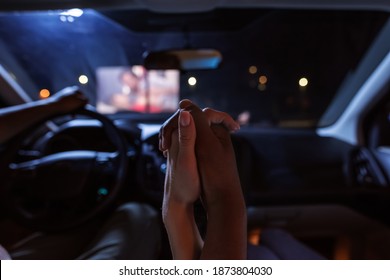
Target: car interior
<point>308,81</point>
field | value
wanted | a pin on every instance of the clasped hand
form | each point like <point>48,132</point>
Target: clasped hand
<point>201,163</point>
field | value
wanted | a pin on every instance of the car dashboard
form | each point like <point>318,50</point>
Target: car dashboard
<point>277,167</point>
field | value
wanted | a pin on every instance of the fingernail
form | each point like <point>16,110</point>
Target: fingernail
<point>185,118</point>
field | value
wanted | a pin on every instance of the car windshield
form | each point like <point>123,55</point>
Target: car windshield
<point>279,67</point>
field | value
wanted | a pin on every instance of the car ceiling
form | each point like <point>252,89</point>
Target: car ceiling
<point>193,5</point>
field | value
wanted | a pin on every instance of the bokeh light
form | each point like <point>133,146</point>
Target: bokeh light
<point>192,81</point>
<point>303,82</point>
<point>44,93</point>
<point>83,79</point>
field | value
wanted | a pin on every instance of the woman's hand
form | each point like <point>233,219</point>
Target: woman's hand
<point>182,189</point>
<point>182,183</point>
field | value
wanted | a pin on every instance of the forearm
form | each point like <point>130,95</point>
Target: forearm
<point>183,233</point>
<point>17,118</point>
<point>226,236</point>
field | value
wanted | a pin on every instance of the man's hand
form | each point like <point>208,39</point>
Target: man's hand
<point>221,188</point>
<point>215,158</point>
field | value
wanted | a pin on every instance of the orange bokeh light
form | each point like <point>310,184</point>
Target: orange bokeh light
<point>44,93</point>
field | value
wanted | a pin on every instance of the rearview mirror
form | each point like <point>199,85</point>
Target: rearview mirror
<point>193,59</point>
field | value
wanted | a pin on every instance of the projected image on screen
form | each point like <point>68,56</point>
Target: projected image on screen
<point>136,89</point>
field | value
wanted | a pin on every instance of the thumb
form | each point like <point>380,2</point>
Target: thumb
<point>187,132</point>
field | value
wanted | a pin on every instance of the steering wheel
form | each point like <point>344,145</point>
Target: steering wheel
<point>65,189</point>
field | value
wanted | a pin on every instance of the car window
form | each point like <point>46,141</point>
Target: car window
<point>279,68</point>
